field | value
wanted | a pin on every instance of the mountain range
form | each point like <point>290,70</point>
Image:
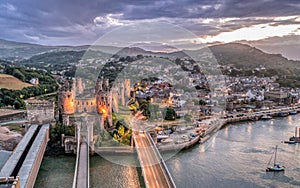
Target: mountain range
<point>243,58</point>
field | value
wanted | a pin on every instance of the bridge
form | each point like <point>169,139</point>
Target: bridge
<point>81,175</point>
<point>25,161</point>
<point>154,169</point>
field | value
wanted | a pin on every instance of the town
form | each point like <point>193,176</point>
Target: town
<point>175,102</point>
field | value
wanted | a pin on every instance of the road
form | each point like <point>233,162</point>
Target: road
<point>82,179</point>
<point>153,172</point>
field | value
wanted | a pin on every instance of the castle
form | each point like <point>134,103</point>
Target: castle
<point>101,101</point>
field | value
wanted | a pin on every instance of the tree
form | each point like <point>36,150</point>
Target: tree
<point>17,104</point>
<point>144,106</point>
<point>169,114</point>
<point>202,102</point>
<point>17,73</point>
<point>7,100</point>
<point>121,131</point>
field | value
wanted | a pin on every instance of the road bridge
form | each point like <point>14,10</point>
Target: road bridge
<point>154,169</point>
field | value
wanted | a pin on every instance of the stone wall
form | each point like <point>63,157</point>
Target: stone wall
<point>39,111</point>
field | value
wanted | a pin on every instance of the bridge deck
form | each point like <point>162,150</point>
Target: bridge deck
<point>82,171</point>
<point>153,173</point>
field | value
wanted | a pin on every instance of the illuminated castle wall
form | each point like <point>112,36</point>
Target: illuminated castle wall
<point>104,102</point>
<point>71,102</point>
<point>66,100</point>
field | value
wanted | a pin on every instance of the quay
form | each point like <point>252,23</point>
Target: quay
<point>225,120</point>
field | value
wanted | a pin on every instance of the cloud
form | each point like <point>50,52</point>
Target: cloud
<point>108,20</point>
<point>86,21</point>
<point>255,32</point>
<point>9,7</point>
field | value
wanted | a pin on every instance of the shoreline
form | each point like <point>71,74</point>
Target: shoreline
<point>225,122</point>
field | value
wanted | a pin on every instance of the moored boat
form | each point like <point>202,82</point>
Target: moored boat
<point>293,112</point>
<point>295,138</point>
<point>266,117</point>
<point>290,142</point>
<point>283,114</point>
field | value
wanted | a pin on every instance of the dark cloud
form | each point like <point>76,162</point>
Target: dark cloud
<point>72,21</point>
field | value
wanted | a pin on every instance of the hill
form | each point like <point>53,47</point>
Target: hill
<point>248,57</point>
<point>11,82</point>
<point>250,61</point>
<point>10,50</point>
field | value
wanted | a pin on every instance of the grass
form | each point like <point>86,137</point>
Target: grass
<point>11,82</point>
<point>15,127</point>
<point>122,116</point>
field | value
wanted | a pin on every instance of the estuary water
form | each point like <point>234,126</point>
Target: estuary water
<point>237,156</point>
<point>59,171</point>
<point>4,155</point>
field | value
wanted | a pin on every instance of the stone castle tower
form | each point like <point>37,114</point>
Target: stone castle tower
<point>67,101</point>
<point>115,99</point>
<point>104,102</point>
<point>127,87</point>
<point>79,86</point>
<point>71,102</point>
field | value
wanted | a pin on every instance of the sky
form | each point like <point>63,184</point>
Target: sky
<point>78,22</point>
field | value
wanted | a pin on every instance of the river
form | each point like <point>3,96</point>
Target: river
<point>59,171</point>
<point>235,157</point>
<point>238,155</point>
<point>4,155</point>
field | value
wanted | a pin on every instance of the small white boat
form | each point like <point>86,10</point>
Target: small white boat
<point>162,136</point>
<point>276,166</point>
<point>266,117</point>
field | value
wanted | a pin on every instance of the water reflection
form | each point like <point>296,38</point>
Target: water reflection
<point>238,155</point>
<point>290,120</point>
<point>249,129</point>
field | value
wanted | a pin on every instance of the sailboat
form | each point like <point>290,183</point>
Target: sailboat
<point>276,166</point>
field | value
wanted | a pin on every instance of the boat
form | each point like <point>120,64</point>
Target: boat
<point>162,136</point>
<point>283,114</point>
<point>276,166</point>
<point>293,112</point>
<point>290,142</point>
<point>295,138</point>
<point>266,117</point>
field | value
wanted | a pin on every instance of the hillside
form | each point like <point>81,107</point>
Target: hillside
<point>247,57</point>
<point>10,50</point>
<point>249,61</point>
<point>11,82</point>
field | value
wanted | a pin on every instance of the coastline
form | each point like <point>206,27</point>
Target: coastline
<point>254,116</point>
